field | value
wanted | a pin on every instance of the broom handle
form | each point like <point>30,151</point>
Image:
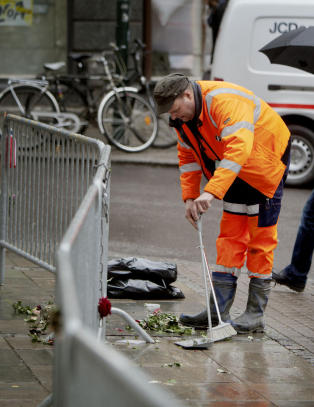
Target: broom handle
<point>199,228</point>
<point>213,291</point>
<point>205,266</point>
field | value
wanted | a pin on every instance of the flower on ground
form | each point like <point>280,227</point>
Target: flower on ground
<point>40,318</point>
<point>104,307</point>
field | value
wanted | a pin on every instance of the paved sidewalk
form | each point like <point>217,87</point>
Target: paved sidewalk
<point>272,369</point>
<point>25,367</point>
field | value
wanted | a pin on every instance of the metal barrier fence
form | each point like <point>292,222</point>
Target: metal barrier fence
<point>82,255</point>
<point>88,372</point>
<point>45,173</point>
<point>55,188</point>
<point>95,375</point>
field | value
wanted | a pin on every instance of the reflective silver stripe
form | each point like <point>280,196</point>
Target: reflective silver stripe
<point>189,168</point>
<point>255,99</point>
<point>258,108</point>
<point>209,100</point>
<point>261,276</point>
<point>235,127</point>
<point>235,271</point>
<point>234,92</point>
<point>230,165</point>
<point>250,210</point>
<point>253,210</point>
<point>184,145</point>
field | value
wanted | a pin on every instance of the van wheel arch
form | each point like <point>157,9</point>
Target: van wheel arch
<point>301,171</point>
<point>300,120</point>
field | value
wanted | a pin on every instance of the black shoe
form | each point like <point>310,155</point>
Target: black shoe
<point>198,321</point>
<point>225,286</point>
<point>281,278</point>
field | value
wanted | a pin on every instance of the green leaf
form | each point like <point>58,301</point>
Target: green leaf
<point>165,323</point>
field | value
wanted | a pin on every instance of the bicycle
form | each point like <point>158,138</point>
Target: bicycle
<point>29,98</point>
<point>166,136</point>
<point>124,117</point>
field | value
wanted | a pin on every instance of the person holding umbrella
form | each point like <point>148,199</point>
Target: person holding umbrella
<point>225,124</point>
<point>296,49</point>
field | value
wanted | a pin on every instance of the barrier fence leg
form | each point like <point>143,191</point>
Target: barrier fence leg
<point>133,324</point>
<point>2,264</point>
<point>3,206</point>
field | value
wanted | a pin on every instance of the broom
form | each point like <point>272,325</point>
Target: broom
<point>224,329</point>
<point>203,342</point>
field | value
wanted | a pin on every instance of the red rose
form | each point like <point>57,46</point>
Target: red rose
<point>104,307</point>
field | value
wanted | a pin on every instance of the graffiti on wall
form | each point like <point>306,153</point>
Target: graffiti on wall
<point>16,12</point>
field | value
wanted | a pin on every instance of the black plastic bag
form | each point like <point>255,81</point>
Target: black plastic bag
<point>142,269</point>
<point>141,290</point>
<point>142,279</point>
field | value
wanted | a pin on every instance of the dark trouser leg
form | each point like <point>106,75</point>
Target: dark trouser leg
<point>295,274</point>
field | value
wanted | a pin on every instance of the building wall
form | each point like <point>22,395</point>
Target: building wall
<point>60,27</point>
<point>179,35</point>
<point>93,24</point>
<point>24,48</point>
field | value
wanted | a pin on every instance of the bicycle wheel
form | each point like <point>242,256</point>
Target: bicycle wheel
<point>128,120</point>
<point>72,100</point>
<point>29,101</point>
<point>166,136</point>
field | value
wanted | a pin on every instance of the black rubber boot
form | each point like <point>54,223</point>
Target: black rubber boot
<point>225,288</point>
<point>252,320</point>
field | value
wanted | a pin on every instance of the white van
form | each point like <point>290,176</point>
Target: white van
<point>246,27</point>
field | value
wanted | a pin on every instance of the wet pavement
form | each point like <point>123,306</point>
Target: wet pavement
<point>271,369</point>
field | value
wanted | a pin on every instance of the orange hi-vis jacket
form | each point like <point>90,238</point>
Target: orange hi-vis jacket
<point>240,130</point>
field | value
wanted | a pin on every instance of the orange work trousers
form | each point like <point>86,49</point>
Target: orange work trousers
<point>240,240</point>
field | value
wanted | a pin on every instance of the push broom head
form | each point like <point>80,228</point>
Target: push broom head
<point>220,332</point>
<point>223,331</point>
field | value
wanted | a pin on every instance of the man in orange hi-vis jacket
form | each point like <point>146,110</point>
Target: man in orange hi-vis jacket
<point>242,146</point>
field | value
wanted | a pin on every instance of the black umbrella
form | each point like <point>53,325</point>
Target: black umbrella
<point>294,48</point>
